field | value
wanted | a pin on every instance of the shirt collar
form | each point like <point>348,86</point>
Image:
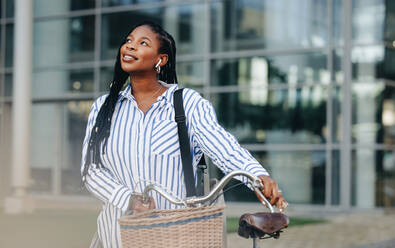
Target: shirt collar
<point>167,96</point>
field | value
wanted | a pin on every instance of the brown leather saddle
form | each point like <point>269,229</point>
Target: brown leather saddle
<point>258,225</point>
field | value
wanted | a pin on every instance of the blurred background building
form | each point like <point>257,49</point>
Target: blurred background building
<point>307,86</point>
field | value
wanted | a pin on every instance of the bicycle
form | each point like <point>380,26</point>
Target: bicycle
<point>257,226</point>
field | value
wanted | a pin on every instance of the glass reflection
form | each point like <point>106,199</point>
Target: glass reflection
<point>243,24</point>
<point>109,3</point>
<point>368,17</point>
<point>337,22</point>
<point>371,62</point>
<point>182,22</point>
<point>291,116</point>
<point>299,174</point>
<point>373,178</point>
<point>55,7</point>
<point>57,133</point>
<point>261,71</point>
<point>63,41</point>
<point>8,85</point>
<point>9,45</point>
<point>9,8</point>
<point>190,74</point>
<point>76,116</point>
<point>60,82</point>
<point>373,113</point>
<point>335,197</point>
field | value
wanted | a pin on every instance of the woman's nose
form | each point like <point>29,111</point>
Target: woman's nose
<point>130,46</point>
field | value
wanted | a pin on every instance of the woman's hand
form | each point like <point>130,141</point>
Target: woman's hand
<point>272,193</point>
<point>137,204</point>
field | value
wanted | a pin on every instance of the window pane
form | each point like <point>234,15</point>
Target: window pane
<point>9,45</point>
<point>373,178</point>
<point>75,119</point>
<point>1,46</point>
<point>55,7</point>
<point>8,84</point>
<point>58,130</point>
<point>10,5</point>
<point>191,74</point>
<point>63,41</point>
<point>60,82</point>
<point>337,22</point>
<point>335,125</point>
<point>335,177</point>
<point>299,174</point>
<point>368,18</point>
<point>46,132</point>
<point>338,75</point>
<point>281,69</point>
<point>108,3</point>
<point>274,116</point>
<point>373,113</point>
<point>182,22</point>
<point>244,24</point>
<point>366,62</point>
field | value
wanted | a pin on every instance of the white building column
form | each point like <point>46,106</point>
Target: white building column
<point>18,202</point>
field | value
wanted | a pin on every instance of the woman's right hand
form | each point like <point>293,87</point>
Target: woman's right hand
<point>137,204</point>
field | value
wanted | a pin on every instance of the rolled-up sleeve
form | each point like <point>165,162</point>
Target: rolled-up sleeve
<point>219,145</point>
<point>100,181</point>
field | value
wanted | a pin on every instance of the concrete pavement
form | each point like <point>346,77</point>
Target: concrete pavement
<point>368,229</point>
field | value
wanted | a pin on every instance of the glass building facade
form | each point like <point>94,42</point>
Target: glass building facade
<point>307,86</point>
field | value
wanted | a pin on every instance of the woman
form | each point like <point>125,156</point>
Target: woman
<point>131,137</point>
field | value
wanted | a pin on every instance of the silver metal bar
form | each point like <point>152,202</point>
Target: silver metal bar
<point>194,201</point>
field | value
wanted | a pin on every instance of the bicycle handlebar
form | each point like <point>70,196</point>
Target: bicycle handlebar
<point>255,182</point>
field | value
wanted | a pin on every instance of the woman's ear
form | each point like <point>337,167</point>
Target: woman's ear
<point>164,58</point>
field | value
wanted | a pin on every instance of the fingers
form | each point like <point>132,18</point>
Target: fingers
<point>138,206</point>
<point>275,194</point>
<point>151,203</point>
<point>267,186</point>
<point>282,204</point>
<point>271,190</point>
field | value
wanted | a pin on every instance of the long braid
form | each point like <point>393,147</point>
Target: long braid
<point>101,130</point>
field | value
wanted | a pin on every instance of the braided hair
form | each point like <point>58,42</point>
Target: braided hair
<point>101,130</point>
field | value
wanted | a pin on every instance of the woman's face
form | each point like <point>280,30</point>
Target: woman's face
<point>139,53</point>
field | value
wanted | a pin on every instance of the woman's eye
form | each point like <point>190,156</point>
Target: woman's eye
<point>128,40</point>
<point>144,43</point>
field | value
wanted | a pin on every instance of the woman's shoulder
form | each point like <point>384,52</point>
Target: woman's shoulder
<point>193,101</point>
<point>192,95</point>
<point>98,102</point>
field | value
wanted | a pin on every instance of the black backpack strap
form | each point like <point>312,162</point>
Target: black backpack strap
<point>185,146</point>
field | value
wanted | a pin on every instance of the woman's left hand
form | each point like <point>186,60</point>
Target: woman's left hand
<point>272,193</point>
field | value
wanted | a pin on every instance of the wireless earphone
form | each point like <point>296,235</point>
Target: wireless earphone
<point>157,64</point>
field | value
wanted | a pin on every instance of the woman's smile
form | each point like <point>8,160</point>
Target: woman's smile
<point>129,58</point>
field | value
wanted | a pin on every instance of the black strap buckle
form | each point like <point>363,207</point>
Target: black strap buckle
<point>180,118</point>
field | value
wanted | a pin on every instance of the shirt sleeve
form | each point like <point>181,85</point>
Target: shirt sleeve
<point>100,181</point>
<point>219,145</point>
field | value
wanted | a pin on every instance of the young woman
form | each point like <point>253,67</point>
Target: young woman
<point>132,140</point>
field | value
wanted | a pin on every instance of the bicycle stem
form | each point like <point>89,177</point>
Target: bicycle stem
<point>193,201</point>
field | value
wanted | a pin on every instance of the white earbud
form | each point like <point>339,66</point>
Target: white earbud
<point>157,64</point>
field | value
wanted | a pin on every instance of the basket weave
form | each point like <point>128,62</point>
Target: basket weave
<point>187,227</point>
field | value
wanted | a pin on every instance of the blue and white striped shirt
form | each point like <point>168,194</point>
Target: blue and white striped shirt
<point>144,148</point>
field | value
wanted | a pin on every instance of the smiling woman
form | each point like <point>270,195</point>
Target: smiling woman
<point>131,138</point>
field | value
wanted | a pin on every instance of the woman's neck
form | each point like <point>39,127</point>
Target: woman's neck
<point>144,85</point>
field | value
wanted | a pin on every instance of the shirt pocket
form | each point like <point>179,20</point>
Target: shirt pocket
<point>164,138</point>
